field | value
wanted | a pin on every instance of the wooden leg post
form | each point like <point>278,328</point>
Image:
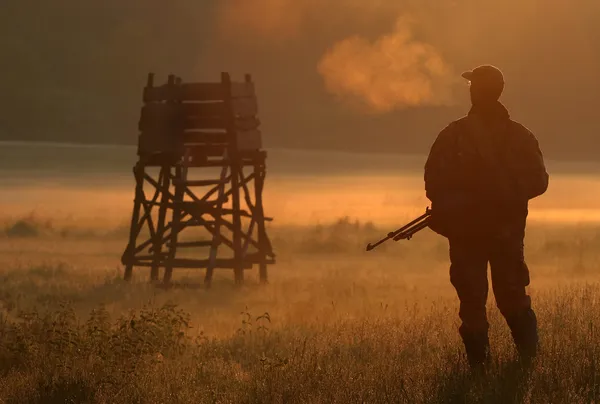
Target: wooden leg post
<point>160,226</point>
<point>216,242</point>
<point>128,257</point>
<point>237,225</point>
<point>175,224</point>
<point>259,180</point>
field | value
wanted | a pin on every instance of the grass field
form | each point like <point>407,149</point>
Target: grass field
<point>334,324</point>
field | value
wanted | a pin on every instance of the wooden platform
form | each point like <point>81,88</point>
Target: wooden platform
<point>186,128</point>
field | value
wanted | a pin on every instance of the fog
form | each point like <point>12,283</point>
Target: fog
<point>94,186</point>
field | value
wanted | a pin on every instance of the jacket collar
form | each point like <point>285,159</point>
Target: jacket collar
<point>493,111</point>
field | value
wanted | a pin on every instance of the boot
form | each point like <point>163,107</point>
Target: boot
<point>477,347</point>
<point>523,327</point>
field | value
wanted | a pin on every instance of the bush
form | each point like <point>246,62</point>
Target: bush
<point>23,228</point>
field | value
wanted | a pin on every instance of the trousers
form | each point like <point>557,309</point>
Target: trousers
<point>469,258</point>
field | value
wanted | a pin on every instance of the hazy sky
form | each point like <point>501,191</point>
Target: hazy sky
<point>345,74</point>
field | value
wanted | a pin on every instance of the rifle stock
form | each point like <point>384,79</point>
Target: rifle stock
<point>407,231</point>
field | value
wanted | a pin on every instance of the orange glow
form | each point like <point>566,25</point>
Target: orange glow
<point>298,200</point>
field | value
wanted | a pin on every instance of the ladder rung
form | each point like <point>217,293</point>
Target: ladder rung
<point>243,213</point>
<point>199,204</point>
<point>200,183</point>
<point>225,263</point>
<point>151,257</point>
<point>195,223</point>
<point>189,244</point>
<point>194,204</point>
<point>210,202</point>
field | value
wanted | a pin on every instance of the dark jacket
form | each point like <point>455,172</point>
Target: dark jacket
<point>481,172</point>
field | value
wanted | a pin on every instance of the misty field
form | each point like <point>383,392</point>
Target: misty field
<point>334,324</point>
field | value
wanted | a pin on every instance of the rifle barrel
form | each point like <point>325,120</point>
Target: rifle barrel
<point>408,233</point>
<point>409,228</point>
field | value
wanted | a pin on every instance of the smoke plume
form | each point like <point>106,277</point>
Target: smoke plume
<point>395,71</point>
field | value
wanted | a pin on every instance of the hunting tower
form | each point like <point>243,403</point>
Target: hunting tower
<point>195,206</point>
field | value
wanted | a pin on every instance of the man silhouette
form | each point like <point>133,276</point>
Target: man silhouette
<point>480,174</point>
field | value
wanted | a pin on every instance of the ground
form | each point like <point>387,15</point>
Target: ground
<point>334,324</point>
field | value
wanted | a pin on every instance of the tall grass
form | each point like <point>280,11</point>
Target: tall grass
<point>151,356</point>
<point>335,324</point>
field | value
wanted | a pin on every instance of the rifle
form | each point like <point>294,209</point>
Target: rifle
<point>407,231</point>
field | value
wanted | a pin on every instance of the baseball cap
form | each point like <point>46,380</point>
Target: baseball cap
<point>486,73</point>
